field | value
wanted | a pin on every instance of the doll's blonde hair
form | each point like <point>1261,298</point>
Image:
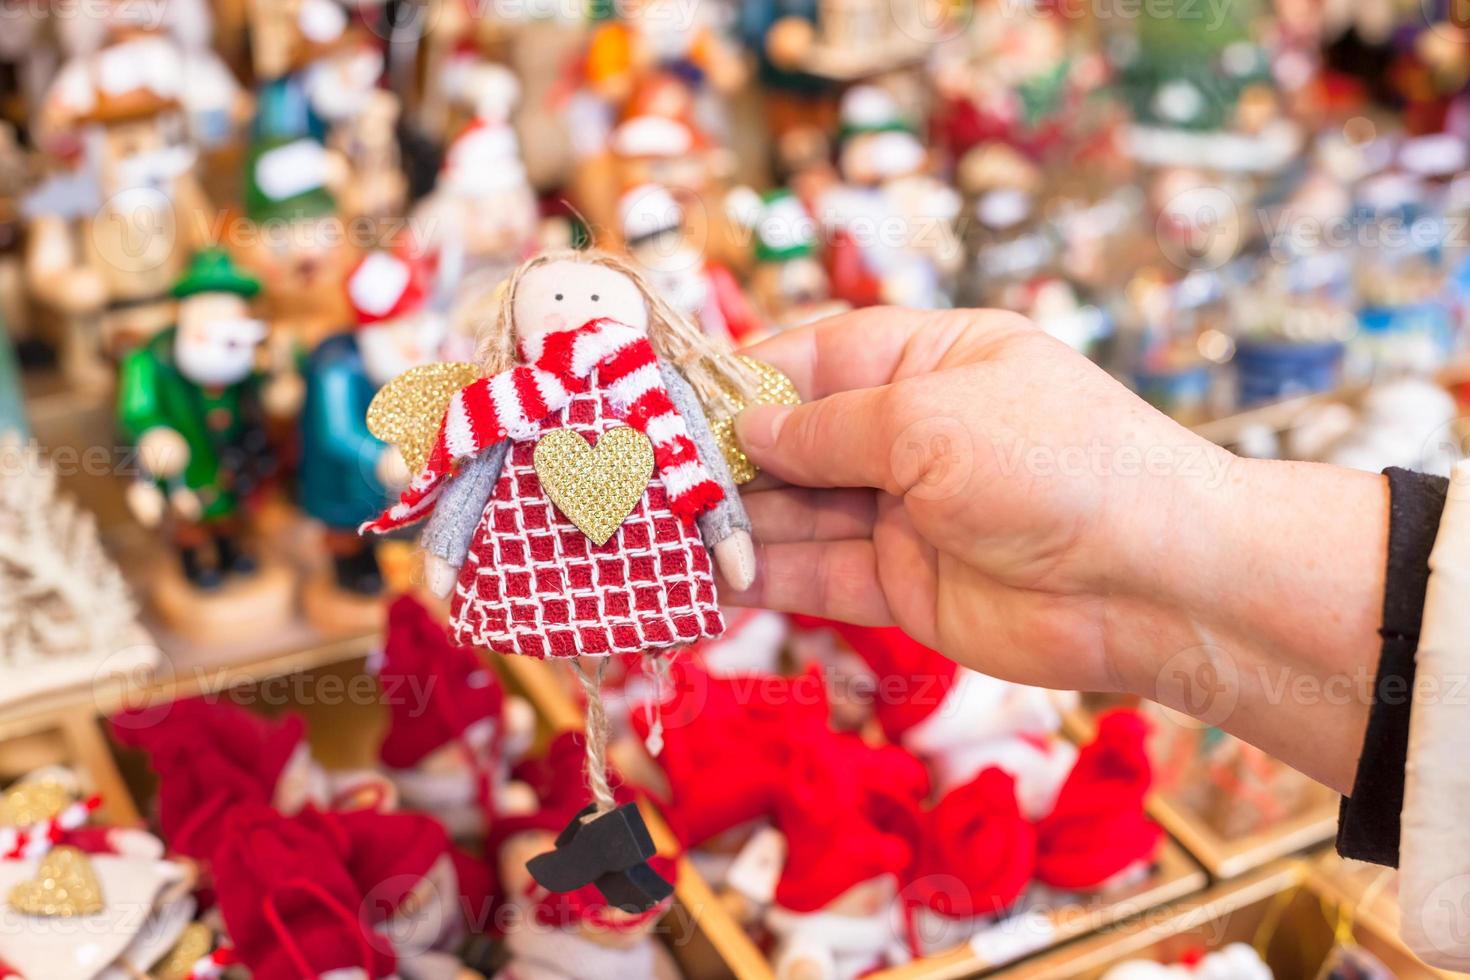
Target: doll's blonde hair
<point>712,370</point>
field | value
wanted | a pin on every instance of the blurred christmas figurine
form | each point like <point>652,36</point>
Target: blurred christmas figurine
<point>195,406</point>
<point>346,472</point>
<point>590,500</point>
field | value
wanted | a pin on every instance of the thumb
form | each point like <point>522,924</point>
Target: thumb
<point>838,441</point>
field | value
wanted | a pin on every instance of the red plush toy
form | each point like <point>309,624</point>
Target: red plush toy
<point>452,732</point>
<point>1098,832</point>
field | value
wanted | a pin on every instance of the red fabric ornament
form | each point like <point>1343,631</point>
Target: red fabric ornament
<point>420,661</point>
<point>288,900</point>
<point>389,854</point>
<point>1098,827</point>
<point>913,680</point>
<point>727,742</point>
<point>850,816</point>
<point>210,756</point>
<point>979,852</point>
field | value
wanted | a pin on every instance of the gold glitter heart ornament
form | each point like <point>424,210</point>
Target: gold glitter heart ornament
<point>406,411</point>
<point>65,886</point>
<point>30,803</point>
<point>774,388</point>
<point>595,487</point>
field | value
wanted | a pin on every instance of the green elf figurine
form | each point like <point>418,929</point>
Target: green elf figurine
<point>190,401</point>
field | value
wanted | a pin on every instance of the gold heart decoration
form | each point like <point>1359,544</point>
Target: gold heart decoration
<point>596,488</point>
<point>774,388</point>
<point>407,410</point>
<point>65,886</point>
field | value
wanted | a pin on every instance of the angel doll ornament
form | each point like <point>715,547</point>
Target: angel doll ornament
<point>576,495</point>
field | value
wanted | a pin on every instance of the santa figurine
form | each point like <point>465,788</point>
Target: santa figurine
<point>346,473</point>
<point>482,217</point>
<point>789,283</point>
<point>961,721</point>
<point>724,746</point>
<point>195,406</point>
<point>1097,835</point>
<point>453,734</point>
<point>976,860</point>
<point>576,935</point>
<point>295,240</point>
<point>105,244</point>
<point>704,291</point>
<point>850,824</point>
<point>891,223</point>
<point>420,892</point>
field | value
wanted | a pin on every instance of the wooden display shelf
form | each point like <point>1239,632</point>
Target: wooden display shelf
<point>1287,910</point>
<point>1222,856</point>
<point>113,693</point>
<point>73,740</point>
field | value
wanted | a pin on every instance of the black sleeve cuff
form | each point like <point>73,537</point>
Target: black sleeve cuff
<point>1368,825</point>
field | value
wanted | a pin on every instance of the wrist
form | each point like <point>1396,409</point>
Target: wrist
<point>1267,605</point>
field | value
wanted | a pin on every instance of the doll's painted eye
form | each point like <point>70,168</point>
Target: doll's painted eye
<point>594,297</point>
<point>558,297</point>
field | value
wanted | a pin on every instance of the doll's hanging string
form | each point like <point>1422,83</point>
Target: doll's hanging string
<point>597,734</point>
<point>658,666</point>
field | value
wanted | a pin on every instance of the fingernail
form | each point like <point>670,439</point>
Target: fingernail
<point>758,426</point>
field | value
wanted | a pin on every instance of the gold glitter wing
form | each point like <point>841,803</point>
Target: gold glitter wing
<point>774,389</point>
<point>407,410</point>
<point>65,886</point>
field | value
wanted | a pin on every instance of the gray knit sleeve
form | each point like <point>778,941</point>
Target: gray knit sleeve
<point>728,516</point>
<point>461,504</point>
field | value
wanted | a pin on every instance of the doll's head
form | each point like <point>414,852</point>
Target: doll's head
<point>562,290</point>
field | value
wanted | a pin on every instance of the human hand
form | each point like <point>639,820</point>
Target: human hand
<point>1005,501</point>
<point>936,449</point>
<point>735,558</point>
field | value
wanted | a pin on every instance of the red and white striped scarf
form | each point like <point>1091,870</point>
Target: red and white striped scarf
<point>513,403</point>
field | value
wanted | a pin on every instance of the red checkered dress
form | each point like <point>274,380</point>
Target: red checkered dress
<point>534,584</point>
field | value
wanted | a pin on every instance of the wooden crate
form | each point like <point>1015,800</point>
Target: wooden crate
<point>1285,910</point>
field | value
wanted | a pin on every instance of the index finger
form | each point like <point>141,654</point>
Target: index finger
<point>880,344</point>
